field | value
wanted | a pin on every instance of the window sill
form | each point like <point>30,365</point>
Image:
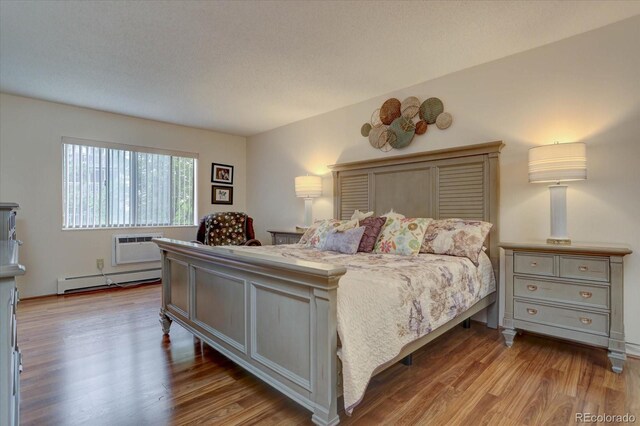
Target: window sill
<point>135,228</point>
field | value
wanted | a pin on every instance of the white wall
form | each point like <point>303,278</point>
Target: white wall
<point>31,175</point>
<point>586,88</point>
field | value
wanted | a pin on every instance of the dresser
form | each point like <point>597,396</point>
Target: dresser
<point>10,357</point>
<point>285,237</point>
<point>572,292</point>
<point>8,221</point>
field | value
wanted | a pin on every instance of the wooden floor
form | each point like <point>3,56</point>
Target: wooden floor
<point>101,359</point>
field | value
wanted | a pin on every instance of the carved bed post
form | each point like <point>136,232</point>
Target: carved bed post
<point>324,358</point>
<point>165,321</point>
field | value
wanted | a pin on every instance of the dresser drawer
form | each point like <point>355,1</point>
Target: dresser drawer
<point>14,331</point>
<point>590,296</point>
<point>585,268</point>
<point>534,264</point>
<point>573,319</point>
<point>13,299</point>
<point>16,359</point>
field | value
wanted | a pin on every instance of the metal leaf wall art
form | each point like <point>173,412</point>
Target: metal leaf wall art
<point>395,123</point>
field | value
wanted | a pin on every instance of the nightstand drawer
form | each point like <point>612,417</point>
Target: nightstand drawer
<point>534,264</point>
<point>593,269</point>
<point>282,239</point>
<point>590,296</point>
<point>294,239</point>
<point>285,237</point>
<point>573,319</point>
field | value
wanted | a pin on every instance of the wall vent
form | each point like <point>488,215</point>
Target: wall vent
<point>134,248</point>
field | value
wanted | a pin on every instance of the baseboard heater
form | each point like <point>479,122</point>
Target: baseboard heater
<point>94,282</point>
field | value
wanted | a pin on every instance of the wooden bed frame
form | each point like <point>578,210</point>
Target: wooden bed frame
<point>276,317</point>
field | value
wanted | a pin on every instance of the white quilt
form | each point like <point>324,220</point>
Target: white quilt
<point>387,301</point>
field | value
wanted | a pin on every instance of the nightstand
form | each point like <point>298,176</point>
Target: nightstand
<point>573,292</point>
<point>285,237</point>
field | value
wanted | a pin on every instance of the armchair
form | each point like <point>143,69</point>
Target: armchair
<point>227,228</point>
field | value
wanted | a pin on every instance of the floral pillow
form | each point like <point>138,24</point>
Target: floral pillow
<point>343,242</point>
<point>456,237</point>
<point>372,228</point>
<point>310,232</point>
<point>402,236</point>
<point>320,233</point>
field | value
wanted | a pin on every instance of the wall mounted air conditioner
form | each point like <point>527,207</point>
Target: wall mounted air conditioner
<point>134,248</point>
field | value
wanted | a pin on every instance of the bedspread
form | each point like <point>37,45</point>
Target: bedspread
<point>387,301</point>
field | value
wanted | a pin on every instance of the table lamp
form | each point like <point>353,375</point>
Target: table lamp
<point>308,187</point>
<point>559,162</point>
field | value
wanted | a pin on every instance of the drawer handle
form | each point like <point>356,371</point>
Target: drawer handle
<point>534,264</point>
<point>586,321</point>
<point>586,294</point>
<point>531,311</point>
<point>583,268</point>
<point>532,287</point>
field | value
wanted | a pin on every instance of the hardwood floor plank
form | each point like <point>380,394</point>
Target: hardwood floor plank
<point>101,359</point>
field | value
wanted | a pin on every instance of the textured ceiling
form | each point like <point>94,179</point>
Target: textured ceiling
<point>246,67</point>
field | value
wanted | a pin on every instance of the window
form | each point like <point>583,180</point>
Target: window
<point>110,185</point>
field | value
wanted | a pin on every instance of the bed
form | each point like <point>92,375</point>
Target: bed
<point>275,310</point>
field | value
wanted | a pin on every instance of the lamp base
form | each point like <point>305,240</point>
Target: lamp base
<point>559,241</point>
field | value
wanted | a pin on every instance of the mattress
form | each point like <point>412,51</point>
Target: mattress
<point>388,301</point>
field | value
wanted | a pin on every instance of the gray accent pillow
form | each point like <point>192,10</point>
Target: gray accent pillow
<point>343,242</point>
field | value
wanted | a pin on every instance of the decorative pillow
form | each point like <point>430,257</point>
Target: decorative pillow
<point>310,232</point>
<point>320,234</point>
<point>393,215</point>
<point>344,242</point>
<point>356,217</point>
<point>402,236</point>
<point>372,228</point>
<point>456,237</point>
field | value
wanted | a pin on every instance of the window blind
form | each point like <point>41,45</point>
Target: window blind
<point>106,187</point>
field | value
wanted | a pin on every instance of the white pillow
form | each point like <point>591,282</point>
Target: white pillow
<point>356,217</point>
<point>393,215</point>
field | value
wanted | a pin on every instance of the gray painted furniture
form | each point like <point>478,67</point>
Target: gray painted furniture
<point>276,316</point>
<point>10,357</point>
<point>279,237</point>
<point>573,292</point>
<point>8,221</point>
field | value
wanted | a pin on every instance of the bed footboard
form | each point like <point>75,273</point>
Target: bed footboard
<point>275,317</point>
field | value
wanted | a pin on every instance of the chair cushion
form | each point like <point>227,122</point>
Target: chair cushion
<point>226,229</point>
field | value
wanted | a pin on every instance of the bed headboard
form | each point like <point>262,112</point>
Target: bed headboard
<point>457,182</point>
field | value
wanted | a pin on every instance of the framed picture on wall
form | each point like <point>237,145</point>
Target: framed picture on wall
<point>222,173</point>
<point>221,194</point>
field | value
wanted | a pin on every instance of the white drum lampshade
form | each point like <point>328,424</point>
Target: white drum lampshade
<point>558,163</point>
<point>308,187</point>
